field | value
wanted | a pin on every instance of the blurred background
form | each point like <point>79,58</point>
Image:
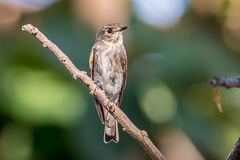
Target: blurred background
<point>174,47</point>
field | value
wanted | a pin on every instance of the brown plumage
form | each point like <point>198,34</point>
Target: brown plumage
<point>108,68</point>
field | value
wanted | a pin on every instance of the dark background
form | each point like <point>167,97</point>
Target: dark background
<point>174,47</point>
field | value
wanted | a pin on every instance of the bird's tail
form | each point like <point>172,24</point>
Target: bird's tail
<point>111,133</point>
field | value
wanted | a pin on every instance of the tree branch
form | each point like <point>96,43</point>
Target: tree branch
<point>235,152</point>
<point>225,82</point>
<point>140,136</point>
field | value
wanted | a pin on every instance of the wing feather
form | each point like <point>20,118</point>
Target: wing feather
<point>98,105</point>
<point>124,67</point>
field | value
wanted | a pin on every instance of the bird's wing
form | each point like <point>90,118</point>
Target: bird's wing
<point>91,63</point>
<point>91,66</point>
<point>124,67</point>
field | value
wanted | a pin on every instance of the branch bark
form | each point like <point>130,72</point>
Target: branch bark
<point>225,82</point>
<point>235,152</point>
<point>140,136</point>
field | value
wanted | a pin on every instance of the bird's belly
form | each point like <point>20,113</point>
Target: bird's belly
<point>112,80</point>
<point>109,73</point>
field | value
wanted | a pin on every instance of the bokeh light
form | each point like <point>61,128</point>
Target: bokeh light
<point>206,8</point>
<point>99,13</point>
<point>160,12</point>
<point>9,16</point>
<point>29,4</point>
<point>158,103</point>
<point>11,11</point>
<point>40,98</point>
<point>177,145</point>
<point>231,30</point>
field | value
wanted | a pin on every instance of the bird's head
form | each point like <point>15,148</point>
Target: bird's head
<point>111,33</point>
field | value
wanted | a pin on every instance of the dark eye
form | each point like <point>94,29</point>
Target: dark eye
<point>109,30</point>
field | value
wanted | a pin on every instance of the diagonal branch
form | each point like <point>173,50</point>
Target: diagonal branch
<point>139,135</point>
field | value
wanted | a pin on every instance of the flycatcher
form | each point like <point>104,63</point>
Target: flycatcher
<point>108,69</point>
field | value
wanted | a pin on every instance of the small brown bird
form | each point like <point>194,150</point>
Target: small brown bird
<point>108,68</point>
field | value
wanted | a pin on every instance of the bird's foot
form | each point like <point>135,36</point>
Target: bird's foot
<point>93,92</point>
<point>110,107</point>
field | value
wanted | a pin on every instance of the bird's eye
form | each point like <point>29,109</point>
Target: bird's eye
<point>109,30</point>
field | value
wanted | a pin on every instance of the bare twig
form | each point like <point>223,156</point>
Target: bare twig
<point>225,82</point>
<point>235,152</point>
<point>140,136</point>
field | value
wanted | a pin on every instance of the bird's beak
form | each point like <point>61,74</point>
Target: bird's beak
<point>123,28</point>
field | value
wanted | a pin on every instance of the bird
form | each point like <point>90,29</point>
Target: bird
<point>108,69</point>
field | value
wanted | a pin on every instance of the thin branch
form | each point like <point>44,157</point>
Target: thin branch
<point>235,152</point>
<point>225,82</point>
<point>140,136</point>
